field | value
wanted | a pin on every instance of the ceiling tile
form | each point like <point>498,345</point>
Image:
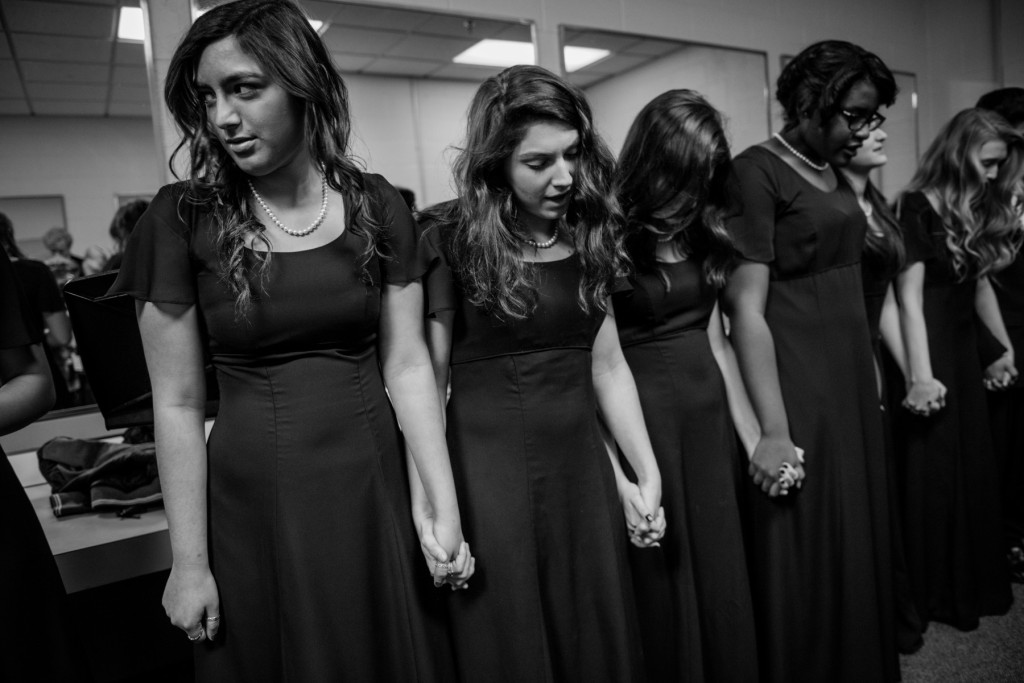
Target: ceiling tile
<point>69,91</point>
<point>90,21</point>
<point>465,72</point>
<point>59,48</point>
<point>430,48</point>
<point>359,41</point>
<point>654,48</point>
<point>10,84</point>
<point>521,32</point>
<point>351,63</point>
<point>462,27</point>
<point>67,108</point>
<point>130,53</point>
<point>130,109</point>
<point>64,72</point>
<point>13,107</point>
<point>400,67</point>
<point>131,75</point>
<point>5,47</point>
<point>129,93</point>
<point>615,64</point>
<point>379,17</point>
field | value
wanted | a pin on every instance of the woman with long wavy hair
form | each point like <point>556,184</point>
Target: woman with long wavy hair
<point>521,267</point>
<point>294,555</point>
<point>960,226</point>
<point>821,574</point>
<point>693,593</point>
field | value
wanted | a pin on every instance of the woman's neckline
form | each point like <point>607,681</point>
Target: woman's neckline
<point>798,174</point>
<point>277,252</point>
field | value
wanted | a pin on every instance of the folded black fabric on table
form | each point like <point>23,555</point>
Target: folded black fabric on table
<point>91,475</point>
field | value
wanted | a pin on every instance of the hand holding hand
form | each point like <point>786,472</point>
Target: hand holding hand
<point>1001,374</point>
<point>776,466</point>
<point>445,551</point>
<point>639,502</point>
<point>192,602</point>
<point>925,397</point>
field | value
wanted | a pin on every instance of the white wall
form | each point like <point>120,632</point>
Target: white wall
<point>87,160</point>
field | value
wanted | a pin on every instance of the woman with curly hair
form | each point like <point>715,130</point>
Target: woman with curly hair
<point>294,555</point>
<point>821,574</point>
<point>693,593</point>
<point>960,226</point>
<point>521,267</point>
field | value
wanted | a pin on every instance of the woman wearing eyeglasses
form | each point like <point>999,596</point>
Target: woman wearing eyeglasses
<point>819,556</point>
<point>961,226</point>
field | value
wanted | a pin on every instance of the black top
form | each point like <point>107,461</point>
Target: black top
<point>20,327</point>
<point>652,309</point>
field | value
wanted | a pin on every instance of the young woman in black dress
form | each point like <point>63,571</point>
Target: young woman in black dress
<point>693,593</point>
<point>294,555</point>
<point>883,258</point>
<point>819,557</point>
<point>1006,408</point>
<point>521,268</point>
<point>960,225</point>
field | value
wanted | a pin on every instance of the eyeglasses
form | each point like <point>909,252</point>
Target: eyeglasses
<point>857,122</point>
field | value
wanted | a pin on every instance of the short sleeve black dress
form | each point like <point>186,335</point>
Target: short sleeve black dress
<point>1007,407</point>
<point>950,493</point>
<point>551,599</point>
<point>820,558</point>
<point>693,593</point>
<point>311,538</point>
<point>34,638</point>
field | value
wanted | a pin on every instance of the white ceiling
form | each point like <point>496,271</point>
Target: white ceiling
<point>61,58</point>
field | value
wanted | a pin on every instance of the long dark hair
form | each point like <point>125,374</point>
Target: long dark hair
<point>883,241</point>
<point>487,242</point>
<point>676,150</point>
<point>980,217</point>
<point>814,83</point>
<point>277,35</point>
<point>7,242</point>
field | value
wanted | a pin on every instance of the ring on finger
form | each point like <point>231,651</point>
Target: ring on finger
<point>216,618</point>
<point>447,566</point>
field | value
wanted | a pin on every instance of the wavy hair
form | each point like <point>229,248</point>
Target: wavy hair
<point>487,240</point>
<point>815,82</point>
<point>676,151</point>
<point>278,36</point>
<point>980,217</point>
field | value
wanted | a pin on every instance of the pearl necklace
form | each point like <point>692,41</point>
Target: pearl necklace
<point>546,244</point>
<point>296,233</point>
<point>798,155</point>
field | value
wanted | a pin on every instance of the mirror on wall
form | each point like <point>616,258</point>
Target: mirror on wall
<point>411,75</point>
<point>78,137</point>
<point>621,72</point>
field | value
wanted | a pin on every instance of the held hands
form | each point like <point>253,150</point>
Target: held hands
<point>453,566</point>
<point>639,502</point>
<point>777,466</point>
<point>192,602</point>
<point>1001,374</point>
<point>925,397</point>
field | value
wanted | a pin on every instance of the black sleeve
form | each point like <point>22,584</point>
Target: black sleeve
<point>17,327</point>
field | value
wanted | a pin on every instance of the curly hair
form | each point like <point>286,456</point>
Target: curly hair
<point>277,35</point>
<point>676,151</point>
<point>487,240</point>
<point>815,82</point>
<point>980,217</point>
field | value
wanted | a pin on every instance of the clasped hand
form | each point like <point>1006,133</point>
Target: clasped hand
<point>645,518</point>
<point>776,466</point>
<point>925,397</point>
<point>446,552</point>
<point>1001,374</point>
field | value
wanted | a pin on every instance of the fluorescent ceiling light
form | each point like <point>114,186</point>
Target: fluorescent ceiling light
<point>578,57</point>
<point>491,52</point>
<point>130,26</point>
<point>316,24</point>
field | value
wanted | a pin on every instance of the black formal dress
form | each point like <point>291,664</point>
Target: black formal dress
<point>950,492</point>
<point>820,562</point>
<point>311,538</point>
<point>551,599</point>
<point>35,640</point>
<point>693,593</point>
